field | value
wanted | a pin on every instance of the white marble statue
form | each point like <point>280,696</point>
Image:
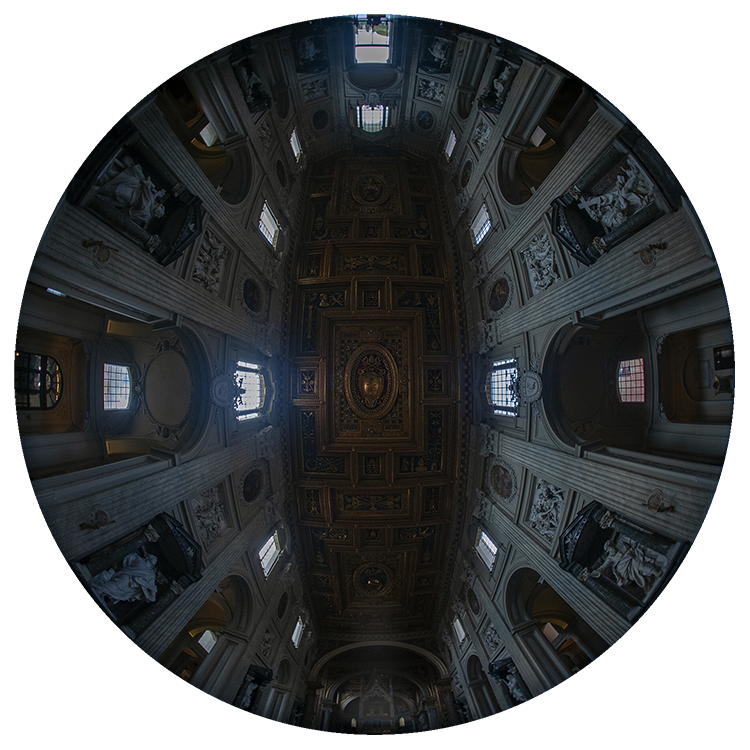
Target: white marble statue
<point>629,564</point>
<point>126,186</point>
<point>512,682</point>
<point>631,191</point>
<point>135,581</point>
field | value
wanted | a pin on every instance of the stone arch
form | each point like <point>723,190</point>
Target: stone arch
<point>436,661</point>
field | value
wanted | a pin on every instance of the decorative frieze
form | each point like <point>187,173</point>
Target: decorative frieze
<point>432,90</point>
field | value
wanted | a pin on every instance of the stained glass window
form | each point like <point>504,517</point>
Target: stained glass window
<point>38,381</point>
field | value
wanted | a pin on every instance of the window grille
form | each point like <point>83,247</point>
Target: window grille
<point>372,118</point>
<point>450,144</point>
<point>500,391</point>
<point>38,381</point>
<point>269,554</point>
<point>294,141</point>
<point>630,381</point>
<point>481,224</point>
<point>251,381</point>
<point>268,225</point>
<point>372,39</point>
<point>116,387</point>
<point>297,634</point>
<point>486,549</point>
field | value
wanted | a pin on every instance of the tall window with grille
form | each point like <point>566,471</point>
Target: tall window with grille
<point>372,118</point>
<point>297,633</point>
<point>116,387</point>
<point>372,38</point>
<point>450,144</point>
<point>458,629</point>
<point>500,387</point>
<point>481,224</point>
<point>38,381</point>
<point>252,384</point>
<point>268,225</point>
<point>486,549</point>
<point>269,554</point>
<point>295,144</point>
<point>630,381</point>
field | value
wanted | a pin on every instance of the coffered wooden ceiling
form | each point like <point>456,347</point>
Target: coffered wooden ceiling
<point>375,396</point>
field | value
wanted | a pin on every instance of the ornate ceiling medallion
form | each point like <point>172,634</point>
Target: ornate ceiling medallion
<point>370,190</point>
<point>373,579</point>
<point>371,381</point>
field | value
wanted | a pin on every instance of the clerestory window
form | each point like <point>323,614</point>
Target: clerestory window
<point>486,549</point>
<point>295,144</point>
<point>38,381</point>
<point>372,38</point>
<point>450,144</point>
<point>252,390</point>
<point>269,554</point>
<point>297,634</point>
<point>500,387</point>
<point>458,629</point>
<point>481,224</point>
<point>268,225</point>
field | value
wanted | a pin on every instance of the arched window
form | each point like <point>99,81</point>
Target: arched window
<point>116,387</point>
<point>500,387</point>
<point>38,381</point>
<point>630,381</point>
<point>252,385</point>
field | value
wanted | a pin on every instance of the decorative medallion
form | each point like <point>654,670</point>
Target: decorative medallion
<point>371,381</point>
<point>373,580</point>
<point>466,171</point>
<point>528,386</point>
<point>252,485</point>
<point>370,190</point>
<point>224,390</point>
<point>425,119</point>
<point>503,481</point>
<point>501,294</point>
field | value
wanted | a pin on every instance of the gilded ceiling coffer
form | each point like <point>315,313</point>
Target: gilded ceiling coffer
<point>371,381</point>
